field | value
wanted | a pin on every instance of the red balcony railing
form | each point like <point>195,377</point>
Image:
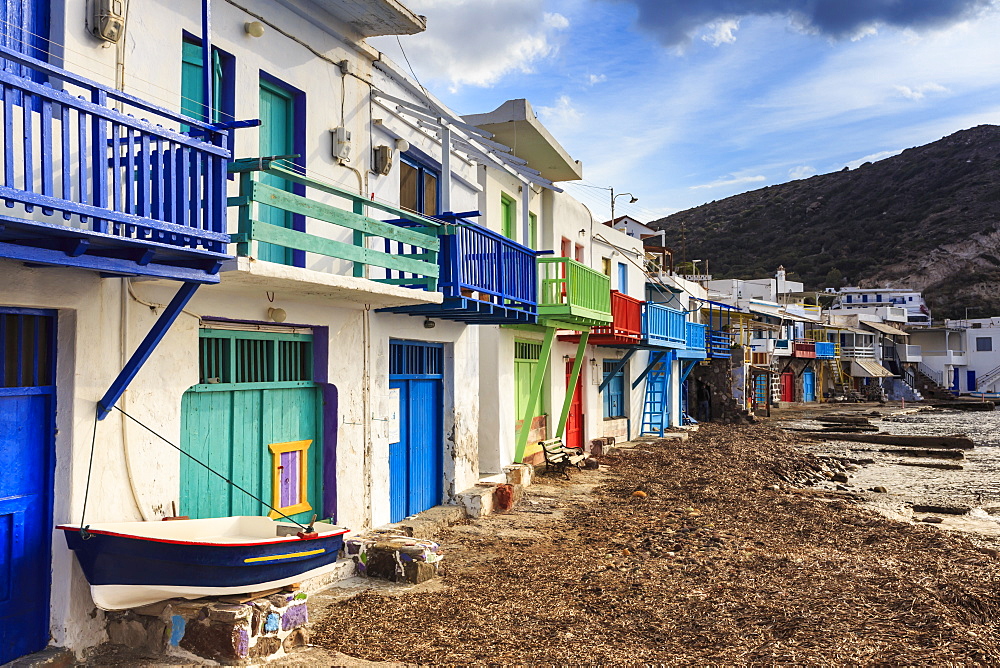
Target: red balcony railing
<point>804,349</point>
<point>625,327</point>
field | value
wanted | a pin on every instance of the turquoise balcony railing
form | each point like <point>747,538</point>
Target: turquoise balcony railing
<point>663,326</point>
<point>720,344</point>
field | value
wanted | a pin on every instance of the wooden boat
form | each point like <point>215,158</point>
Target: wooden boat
<point>130,564</point>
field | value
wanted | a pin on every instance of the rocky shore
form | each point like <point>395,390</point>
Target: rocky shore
<point>711,550</point>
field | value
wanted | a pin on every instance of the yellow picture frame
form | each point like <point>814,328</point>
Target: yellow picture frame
<point>278,449</point>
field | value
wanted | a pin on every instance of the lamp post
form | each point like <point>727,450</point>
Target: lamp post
<point>633,200</point>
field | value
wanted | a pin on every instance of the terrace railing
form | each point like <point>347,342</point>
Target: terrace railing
<point>696,336</point>
<point>720,344</point>
<point>664,326</point>
<point>626,324</point>
<point>826,350</point>
<point>804,349</point>
<point>104,188</point>
<point>410,245</point>
<point>573,293</point>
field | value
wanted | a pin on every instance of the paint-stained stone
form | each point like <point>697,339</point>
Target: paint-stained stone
<point>294,617</point>
<point>297,638</point>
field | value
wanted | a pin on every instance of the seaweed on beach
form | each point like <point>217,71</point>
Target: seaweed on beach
<point>712,562</point>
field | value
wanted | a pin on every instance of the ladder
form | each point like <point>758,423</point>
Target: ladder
<point>655,415</point>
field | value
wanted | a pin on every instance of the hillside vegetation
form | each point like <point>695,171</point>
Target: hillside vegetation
<point>926,219</point>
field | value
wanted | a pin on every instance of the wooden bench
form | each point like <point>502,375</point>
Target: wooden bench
<point>559,458</point>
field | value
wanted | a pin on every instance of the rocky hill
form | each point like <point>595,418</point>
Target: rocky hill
<point>926,219</point>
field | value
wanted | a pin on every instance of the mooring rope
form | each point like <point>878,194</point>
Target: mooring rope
<point>83,529</point>
<point>84,534</point>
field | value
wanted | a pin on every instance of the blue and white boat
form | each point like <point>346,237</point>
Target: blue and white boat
<point>130,564</point>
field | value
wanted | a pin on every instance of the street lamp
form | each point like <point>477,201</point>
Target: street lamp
<point>633,200</point>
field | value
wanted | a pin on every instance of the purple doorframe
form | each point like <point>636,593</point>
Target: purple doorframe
<point>321,370</point>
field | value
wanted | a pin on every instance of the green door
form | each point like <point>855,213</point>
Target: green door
<point>526,360</point>
<point>277,137</point>
<point>255,417</point>
<point>508,216</point>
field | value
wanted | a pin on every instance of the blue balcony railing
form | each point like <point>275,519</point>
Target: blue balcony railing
<point>696,338</point>
<point>663,326</point>
<point>116,191</point>
<point>720,344</point>
<point>485,278</point>
<point>826,350</point>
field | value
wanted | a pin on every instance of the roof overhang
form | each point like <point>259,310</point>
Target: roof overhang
<point>869,369</point>
<point>372,18</point>
<point>514,124</point>
<point>884,328</point>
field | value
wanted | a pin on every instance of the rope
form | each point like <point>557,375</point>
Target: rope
<point>84,534</point>
<point>210,469</point>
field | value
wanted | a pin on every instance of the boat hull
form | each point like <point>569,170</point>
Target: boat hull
<point>126,568</point>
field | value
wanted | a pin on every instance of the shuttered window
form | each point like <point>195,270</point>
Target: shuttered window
<point>253,358</point>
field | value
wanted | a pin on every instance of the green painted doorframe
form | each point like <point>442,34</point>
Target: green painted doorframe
<point>581,348</point>
<point>536,391</point>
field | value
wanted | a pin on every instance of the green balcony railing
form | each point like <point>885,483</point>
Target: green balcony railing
<point>573,293</point>
<point>277,205</point>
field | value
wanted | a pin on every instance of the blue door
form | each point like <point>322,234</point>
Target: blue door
<point>954,380</point>
<point>970,379</point>
<point>808,386</point>
<point>416,458</point>
<point>27,402</point>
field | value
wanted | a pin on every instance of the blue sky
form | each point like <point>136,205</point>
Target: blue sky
<point>683,102</point>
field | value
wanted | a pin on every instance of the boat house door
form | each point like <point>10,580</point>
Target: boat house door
<point>27,417</point>
<point>255,417</point>
<point>808,386</point>
<point>416,459</point>
<point>788,386</point>
<point>574,422</point>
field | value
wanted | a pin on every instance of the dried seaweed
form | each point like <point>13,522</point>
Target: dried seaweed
<point>716,565</point>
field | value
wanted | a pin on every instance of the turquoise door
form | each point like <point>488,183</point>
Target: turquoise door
<point>27,397</point>
<point>256,419</point>
<point>277,137</point>
<point>416,459</point>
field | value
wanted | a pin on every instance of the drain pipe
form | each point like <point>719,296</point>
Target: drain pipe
<point>366,424</point>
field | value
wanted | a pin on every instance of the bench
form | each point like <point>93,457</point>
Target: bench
<point>559,458</point>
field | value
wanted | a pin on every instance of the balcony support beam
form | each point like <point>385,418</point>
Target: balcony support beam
<point>145,349</point>
<point>581,350</point>
<point>654,359</point>
<point>618,367</point>
<point>537,378</point>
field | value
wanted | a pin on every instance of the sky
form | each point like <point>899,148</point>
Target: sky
<point>682,102</point>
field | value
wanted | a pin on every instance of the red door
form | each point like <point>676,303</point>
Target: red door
<point>788,387</point>
<point>574,423</point>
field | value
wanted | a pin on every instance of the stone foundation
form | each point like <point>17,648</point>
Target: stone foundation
<point>391,555</point>
<point>218,629</point>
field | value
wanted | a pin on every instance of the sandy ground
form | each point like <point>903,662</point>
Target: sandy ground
<point>715,561</point>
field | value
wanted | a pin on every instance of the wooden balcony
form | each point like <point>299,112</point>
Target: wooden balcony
<point>289,218</point>
<point>720,344</point>
<point>826,350</point>
<point>572,293</point>
<point>101,180</point>
<point>804,349</point>
<point>625,328</point>
<point>663,326</point>
<point>695,341</point>
<point>485,277</point>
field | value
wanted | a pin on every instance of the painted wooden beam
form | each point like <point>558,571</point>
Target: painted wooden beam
<point>654,359</point>
<point>581,350</point>
<point>145,349</point>
<point>618,367</point>
<point>537,379</point>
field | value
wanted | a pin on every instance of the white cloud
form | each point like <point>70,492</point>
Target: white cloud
<point>736,181</point>
<point>801,172</point>
<point>562,114</point>
<point>874,157</point>
<point>477,42</point>
<point>919,92</point>
<point>594,79</point>
<point>721,32</point>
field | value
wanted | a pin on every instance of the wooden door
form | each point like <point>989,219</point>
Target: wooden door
<point>788,386</point>
<point>27,416</point>
<point>574,422</point>
<point>277,137</point>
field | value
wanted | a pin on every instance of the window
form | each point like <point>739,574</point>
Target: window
<point>232,357</point>
<point>418,187</point>
<point>533,231</point>
<point>566,248</point>
<point>848,299</point>
<point>909,299</point>
<point>864,298</point>
<point>289,477</point>
<point>606,266</point>
<point>623,278</point>
<point>223,82</point>
<point>614,392</point>
<point>579,252</point>
<point>984,343</point>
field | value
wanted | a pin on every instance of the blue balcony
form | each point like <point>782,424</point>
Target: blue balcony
<point>720,344</point>
<point>119,192</point>
<point>826,350</point>
<point>663,326</point>
<point>485,277</point>
<point>696,342</point>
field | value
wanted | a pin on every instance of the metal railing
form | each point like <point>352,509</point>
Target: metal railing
<point>804,349</point>
<point>825,350</point>
<point>130,174</point>
<point>720,344</point>
<point>663,326</point>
